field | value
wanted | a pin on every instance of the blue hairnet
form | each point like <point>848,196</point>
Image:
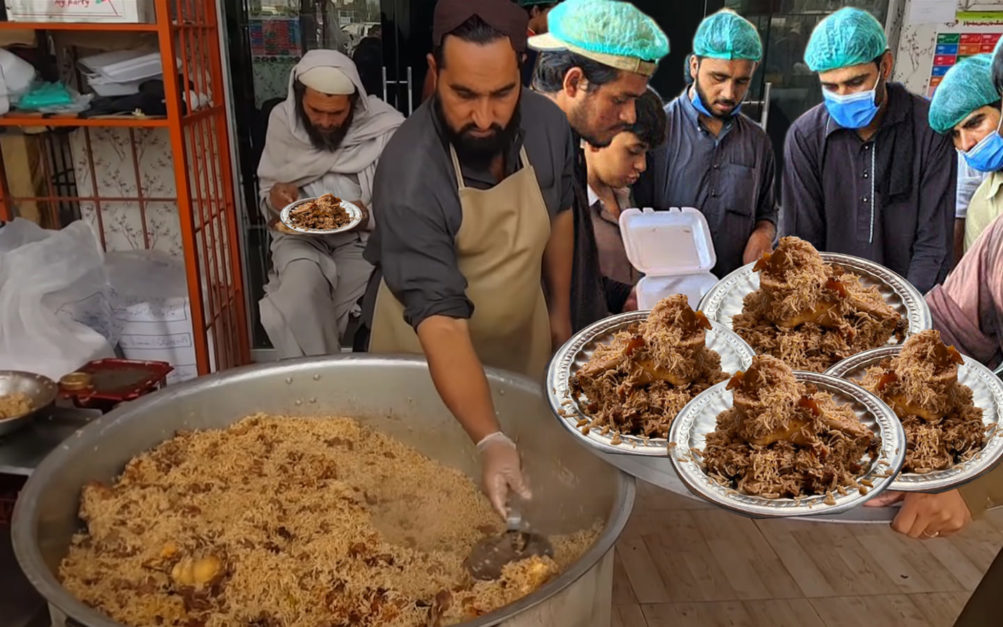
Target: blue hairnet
<point>847,37</point>
<point>608,27</point>
<point>966,87</point>
<point>727,35</point>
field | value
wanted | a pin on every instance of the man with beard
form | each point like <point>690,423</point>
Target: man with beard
<point>473,241</point>
<point>715,159</point>
<point>594,62</point>
<point>864,174</point>
<point>326,137</point>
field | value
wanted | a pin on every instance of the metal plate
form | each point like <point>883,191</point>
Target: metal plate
<point>354,212</point>
<point>696,420</point>
<point>725,299</point>
<point>987,394</point>
<point>735,355</point>
<point>40,390</point>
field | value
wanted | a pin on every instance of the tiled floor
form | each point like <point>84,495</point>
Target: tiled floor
<point>682,563</point>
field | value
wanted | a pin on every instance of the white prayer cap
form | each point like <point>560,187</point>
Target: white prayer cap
<point>327,80</point>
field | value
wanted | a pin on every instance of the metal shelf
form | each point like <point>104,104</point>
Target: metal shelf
<point>63,120</point>
<point>80,26</point>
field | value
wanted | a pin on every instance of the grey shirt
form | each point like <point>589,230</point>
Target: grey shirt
<point>890,199</point>
<point>418,210</point>
<point>729,178</point>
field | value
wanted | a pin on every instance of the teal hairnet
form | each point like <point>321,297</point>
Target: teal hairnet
<point>727,35</point>
<point>532,3</point>
<point>966,87</point>
<point>608,27</point>
<point>847,37</point>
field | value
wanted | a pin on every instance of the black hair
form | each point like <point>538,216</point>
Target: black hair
<point>687,77</point>
<point>543,6</point>
<point>650,125</point>
<point>553,66</point>
<point>474,30</point>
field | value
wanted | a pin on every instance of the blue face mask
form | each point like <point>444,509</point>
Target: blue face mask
<point>698,103</point>
<point>852,110</point>
<point>987,155</point>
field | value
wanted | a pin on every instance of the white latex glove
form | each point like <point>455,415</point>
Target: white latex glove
<point>500,470</point>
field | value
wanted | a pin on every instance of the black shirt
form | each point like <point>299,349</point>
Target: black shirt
<point>889,199</point>
<point>417,208</point>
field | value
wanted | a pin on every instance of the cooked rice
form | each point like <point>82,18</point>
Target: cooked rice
<point>278,521</point>
<point>783,438</point>
<point>16,404</point>
<point>637,383</point>
<point>812,314</point>
<point>943,427</point>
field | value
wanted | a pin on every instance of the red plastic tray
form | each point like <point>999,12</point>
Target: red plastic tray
<point>114,381</point>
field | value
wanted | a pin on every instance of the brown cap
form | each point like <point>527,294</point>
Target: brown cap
<point>504,16</point>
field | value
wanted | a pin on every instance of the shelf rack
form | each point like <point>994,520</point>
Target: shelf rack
<point>196,124</point>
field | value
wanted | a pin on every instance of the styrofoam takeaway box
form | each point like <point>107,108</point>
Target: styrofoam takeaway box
<point>123,11</point>
<point>674,251</point>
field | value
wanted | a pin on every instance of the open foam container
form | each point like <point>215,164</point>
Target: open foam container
<point>674,250</point>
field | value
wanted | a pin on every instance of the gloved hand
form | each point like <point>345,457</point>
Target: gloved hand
<point>500,470</point>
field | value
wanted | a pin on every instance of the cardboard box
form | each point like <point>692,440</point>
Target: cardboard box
<point>121,11</point>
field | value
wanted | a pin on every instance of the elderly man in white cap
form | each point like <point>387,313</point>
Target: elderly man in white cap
<point>326,137</point>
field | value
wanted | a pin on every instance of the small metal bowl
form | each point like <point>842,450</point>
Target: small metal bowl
<point>40,390</point>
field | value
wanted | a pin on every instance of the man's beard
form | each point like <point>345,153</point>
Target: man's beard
<point>710,106</point>
<point>325,140</point>
<point>478,151</point>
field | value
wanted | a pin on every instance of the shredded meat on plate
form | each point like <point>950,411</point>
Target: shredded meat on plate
<point>783,438</point>
<point>323,214</point>
<point>637,382</point>
<point>943,427</point>
<point>812,314</point>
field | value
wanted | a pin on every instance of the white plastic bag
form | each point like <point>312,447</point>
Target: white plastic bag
<point>49,281</point>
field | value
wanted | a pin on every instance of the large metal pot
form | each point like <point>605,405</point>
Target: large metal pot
<point>572,488</point>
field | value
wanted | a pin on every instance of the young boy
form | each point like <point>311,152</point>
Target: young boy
<point>611,172</point>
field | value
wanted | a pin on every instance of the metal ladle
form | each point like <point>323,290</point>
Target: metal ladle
<point>491,554</point>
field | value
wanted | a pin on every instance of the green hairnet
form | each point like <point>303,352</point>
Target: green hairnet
<point>608,27</point>
<point>533,3</point>
<point>727,35</point>
<point>847,37</point>
<point>966,87</point>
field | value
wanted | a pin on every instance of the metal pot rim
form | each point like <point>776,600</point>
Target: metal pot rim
<point>24,525</point>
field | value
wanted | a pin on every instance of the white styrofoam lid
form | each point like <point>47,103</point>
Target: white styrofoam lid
<point>667,243</point>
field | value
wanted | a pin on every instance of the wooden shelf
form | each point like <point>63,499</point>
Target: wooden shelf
<point>79,26</point>
<point>63,120</point>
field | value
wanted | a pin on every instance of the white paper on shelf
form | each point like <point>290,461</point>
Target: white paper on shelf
<point>932,12</point>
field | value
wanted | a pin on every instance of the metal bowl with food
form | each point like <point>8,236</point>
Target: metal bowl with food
<point>959,444</point>
<point>840,447</point>
<point>393,396</point>
<point>571,406</point>
<point>22,395</point>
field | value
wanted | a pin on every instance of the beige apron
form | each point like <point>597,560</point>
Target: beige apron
<point>499,246</point>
